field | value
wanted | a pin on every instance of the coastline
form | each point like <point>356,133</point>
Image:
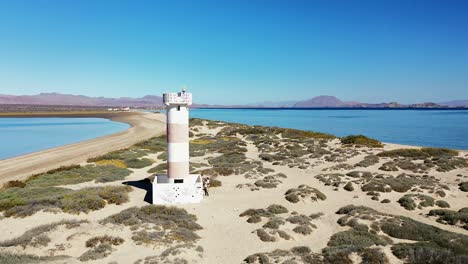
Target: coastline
<point>142,126</point>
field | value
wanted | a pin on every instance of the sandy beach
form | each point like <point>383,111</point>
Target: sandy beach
<point>279,194</point>
<point>142,126</point>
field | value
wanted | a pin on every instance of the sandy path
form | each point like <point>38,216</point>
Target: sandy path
<point>143,126</point>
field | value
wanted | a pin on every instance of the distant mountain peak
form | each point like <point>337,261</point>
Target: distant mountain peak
<point>321,101</point>
<point>80,100</point>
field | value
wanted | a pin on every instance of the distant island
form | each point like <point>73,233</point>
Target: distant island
<point>53,100</point>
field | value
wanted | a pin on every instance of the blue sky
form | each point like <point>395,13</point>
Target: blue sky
<point>233,52</point>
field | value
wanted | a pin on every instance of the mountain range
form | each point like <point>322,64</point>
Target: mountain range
<point>152,101</point>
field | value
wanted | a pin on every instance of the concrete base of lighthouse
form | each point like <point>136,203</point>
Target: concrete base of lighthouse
<point>177,191</point>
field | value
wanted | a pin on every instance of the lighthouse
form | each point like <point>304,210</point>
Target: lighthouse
<point>178,185</point>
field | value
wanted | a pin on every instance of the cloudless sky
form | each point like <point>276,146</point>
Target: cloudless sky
<point>234,52</point>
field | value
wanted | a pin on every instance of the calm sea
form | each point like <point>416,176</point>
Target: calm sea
<point>435,128</point>
<point>20,136</point>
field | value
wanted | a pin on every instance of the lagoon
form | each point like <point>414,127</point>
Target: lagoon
<point>421,127</point>
<point>19,136</point>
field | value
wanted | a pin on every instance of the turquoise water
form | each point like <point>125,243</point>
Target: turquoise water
<point>435,128</point>
<point>20,136</point>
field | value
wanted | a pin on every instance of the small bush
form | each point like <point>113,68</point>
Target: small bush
<point>419,153</point>
<point>37,236</point>
<point>13,184</point>
<point>264,236</point>
<point>349,187</point>
<point>463,186</point>
<point>361,140</point>
<point>303,229</point>
<point>277,209</point>
<point>442,204</point>
<point>138,163</point>
<point>16,258</point>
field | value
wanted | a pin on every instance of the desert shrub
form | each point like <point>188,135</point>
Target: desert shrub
<point>403,183</point>
<point>299,219</point>
<point>442,204</point>
<point>78,175</point>
<point>293,256</point>
<point>406,228</point>
<point>123,154</point>
<point>254,219</point>
<point>37,235</point>
<point>277,209</point>
<point>303,229</point>
<point>98,252</point>
<point>426,253</point>
<point>16,258</point>
<point>274,223</point>
<point>16,197</point>
<point>160,168</point>
<point>291,197</point>
<point>368,161</point>
<point>264,236</point>
<point>82,201</point>
<point>95,241</point>
<point>215,183</point>
<point>155,144</point>
<point>116,163</point>
<point>419,153</point>
<point>450,217</point>
<point>349,187</point>
<point>178,225</point>
<point>344,243</point>
<point>463,186</point>
<point>91,199</point>
<point>361,140</point>
<point>13,184</point>
<point>408,202</point>
<point>385,201</point>
<point>373,255</point>
<point>283,235</point>
<point>304,191</point>
<point>138,163</point>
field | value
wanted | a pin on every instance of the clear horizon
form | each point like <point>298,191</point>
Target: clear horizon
<point>237,52</point>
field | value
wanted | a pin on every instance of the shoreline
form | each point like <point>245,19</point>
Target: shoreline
<point>142,127</point>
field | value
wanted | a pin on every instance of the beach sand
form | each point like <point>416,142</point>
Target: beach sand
<point>142,126</point>
<point>226,237</point>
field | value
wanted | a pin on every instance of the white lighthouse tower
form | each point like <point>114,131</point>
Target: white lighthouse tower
<point>178,186</point>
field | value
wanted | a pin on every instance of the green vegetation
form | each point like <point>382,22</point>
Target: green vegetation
<point>463,186</point>
<point>451,217</point>
<point>361,140</point>
<point>293,256</point>
<point>155,224</point>
<point>342,244</point>
<point>37,236</point>
<point>13,184</point>
<point>100,247</point>
<point>22,202</point>
<point>78,174</point>
<point>409,203</point>
<point>403,183</point>
<point>442,204</point>
<point>304,192</point>
<point>15,258</point>
<point>432,244</point>
<point>419,153</point>
<point>160,168</point>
